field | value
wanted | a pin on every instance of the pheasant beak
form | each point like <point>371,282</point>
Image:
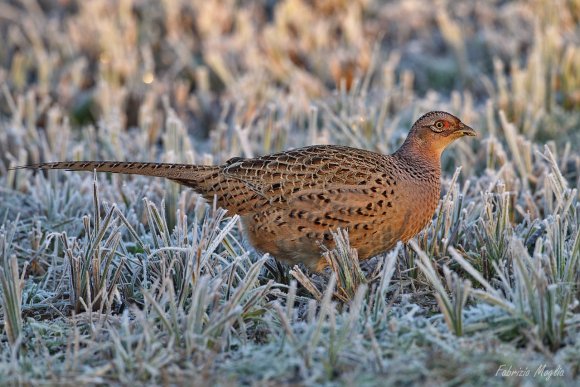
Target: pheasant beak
<point>465,130</point>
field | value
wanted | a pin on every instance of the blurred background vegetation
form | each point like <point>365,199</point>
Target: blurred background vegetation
<point>123,64</point>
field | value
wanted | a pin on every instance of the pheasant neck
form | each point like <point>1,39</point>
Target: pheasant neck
<point>421,155</point>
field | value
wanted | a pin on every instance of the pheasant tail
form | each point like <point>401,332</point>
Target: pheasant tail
<point>206,180</point>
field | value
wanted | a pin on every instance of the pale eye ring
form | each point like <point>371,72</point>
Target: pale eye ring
<point>439,125</point>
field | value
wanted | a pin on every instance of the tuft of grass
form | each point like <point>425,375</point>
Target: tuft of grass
<point>94,271</point>
<point>495,230</point>
<point>452,307</point>
<point>344,263</point>
<point>538,302</point>
<point>12,284</point>
<point>344,266</point>
<point>12,287</point>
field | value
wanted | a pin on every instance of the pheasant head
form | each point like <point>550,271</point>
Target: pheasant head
<point>432,133</point>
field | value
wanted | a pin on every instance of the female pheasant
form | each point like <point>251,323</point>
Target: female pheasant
<point>290,201</point>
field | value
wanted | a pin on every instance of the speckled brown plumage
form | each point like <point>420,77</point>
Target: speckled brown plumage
<point>290,201</point>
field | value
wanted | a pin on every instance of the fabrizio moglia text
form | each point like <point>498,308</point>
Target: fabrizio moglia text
<point>542,371</point>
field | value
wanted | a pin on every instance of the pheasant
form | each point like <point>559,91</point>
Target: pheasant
<point>289,202</point>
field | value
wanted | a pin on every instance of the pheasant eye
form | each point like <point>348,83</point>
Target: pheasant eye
<point>439,124</point>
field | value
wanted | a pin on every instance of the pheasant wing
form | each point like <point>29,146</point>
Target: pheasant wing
<point>316,175</point>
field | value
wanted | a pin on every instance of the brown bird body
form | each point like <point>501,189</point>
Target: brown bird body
<point>290,201</point>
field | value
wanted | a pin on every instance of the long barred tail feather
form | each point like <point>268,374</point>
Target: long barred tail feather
<point>205,180</point>
<point>137,168</point>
